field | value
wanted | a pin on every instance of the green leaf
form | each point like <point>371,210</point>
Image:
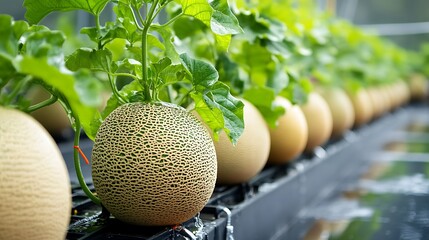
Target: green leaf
<point>231,108</point>
<point>170,50</point>
<point>255,60</point>
<point>7,70</point>
<point>10,33</point>
<point>91,32</point>
<point>88,88</point>
<point>66,84</point>
<point>201,73</point>
<point>161,65</point>
<point>40,42</point>
<point>229,73</point>
<point>223,21</point>
<point>95,60</point>
<point>278,80</point>
<point>38,9</point>
<point>220,111</point>
<point>133,65</point>
<point>260,27</point>
<point>208,112</point>
<point>217,16</point>
<point>263,99</point>
<point>199,9</point>
<point>222,42</point>
<point>172,74</point>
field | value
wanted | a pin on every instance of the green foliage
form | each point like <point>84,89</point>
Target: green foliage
<point>37,9</point>
<point>33,55</point>
<point>152,67</point>
<point>257,65</point>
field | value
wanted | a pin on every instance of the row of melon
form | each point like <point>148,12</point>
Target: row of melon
<point>328,113</point>
<point>301,128</point>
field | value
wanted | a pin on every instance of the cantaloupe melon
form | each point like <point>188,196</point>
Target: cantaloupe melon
<point>153,164</point>
<point>239,163</point>
<point>362,106</point>
<point>341,109</point>
<point>35,195</point>
<point>319,120</point>
<point>289,138</point>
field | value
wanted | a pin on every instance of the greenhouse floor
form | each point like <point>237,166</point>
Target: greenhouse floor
<point>371,184</point>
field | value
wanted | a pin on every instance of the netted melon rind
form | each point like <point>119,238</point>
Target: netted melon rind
<point>35,194</point>
<point>153,164</point>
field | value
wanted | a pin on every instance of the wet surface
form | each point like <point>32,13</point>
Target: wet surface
<point>389,201</point>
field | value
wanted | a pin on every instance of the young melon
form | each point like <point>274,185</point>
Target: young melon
<point>239,163</point>
<point>319,120</point>
<point>35,194</point>
<point>153,164</point>
<point>289,138</point>
<point>341,109</point>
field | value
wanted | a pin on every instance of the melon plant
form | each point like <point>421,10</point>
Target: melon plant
<point>258,67</point>
<point>153,163</point>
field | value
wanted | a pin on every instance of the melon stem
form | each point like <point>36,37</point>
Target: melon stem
<point>149,18</point>
<point>78,168</point>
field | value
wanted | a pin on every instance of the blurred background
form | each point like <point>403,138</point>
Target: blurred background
<point>404,22</point>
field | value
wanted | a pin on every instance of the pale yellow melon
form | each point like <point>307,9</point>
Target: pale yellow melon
<point>341,109</point>
<point>153,164</point>
<point>35,194</point>
<point>289,138</point>
<point>419,87</point>
<point>319,120</point>
<point>362,106</point>
<point>239,163</point>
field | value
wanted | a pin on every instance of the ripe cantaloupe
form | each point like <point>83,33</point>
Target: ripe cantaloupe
<point>239,163</point>
<point>319,120</point>
<point>289,138</point>
<point>341,109</point>
<point>153,164</point>
<point>362,106</point>
<point>35,194</point>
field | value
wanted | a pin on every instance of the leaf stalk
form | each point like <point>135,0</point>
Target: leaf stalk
<point>78,168</point>
<point>42,104</point>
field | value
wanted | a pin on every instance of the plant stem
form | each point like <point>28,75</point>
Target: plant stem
<point>97,24</point>
<point>149,19</point>
<point>125,75</point>
<point>114,89</point>
<point>169,22</point>
<point>45,103</point>
<point>78,168</point>
<point>135,18</point>
<point>139,14</point>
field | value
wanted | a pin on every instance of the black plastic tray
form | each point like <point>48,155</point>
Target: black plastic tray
<point>268,206</point>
